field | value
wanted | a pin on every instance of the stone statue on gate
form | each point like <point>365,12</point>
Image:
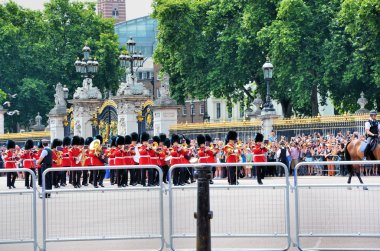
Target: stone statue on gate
<point>87,91</point>
<point>59,96</point>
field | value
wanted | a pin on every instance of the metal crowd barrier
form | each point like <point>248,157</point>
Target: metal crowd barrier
<point>246,211</point>
<point>18,211</point>
<point>335,211</point>
<point>103,213</point>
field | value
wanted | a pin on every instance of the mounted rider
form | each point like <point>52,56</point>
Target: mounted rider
<point>372,129</point>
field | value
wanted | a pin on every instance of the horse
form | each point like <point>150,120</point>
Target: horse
<point>353,152</point>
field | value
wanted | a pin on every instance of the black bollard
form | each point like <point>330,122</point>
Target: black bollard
<point>203,214</point>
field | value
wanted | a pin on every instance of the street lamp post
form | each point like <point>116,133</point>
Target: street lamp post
<point>87,67</point>
<point>130,58</point>
<point>268,75</point>
<point>192,111</point>
<point>206,117</point>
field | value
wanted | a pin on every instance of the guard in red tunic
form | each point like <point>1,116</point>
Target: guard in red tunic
<point>87,160</point>
<point>232,156</point>
<point>155,160</point>
<point>119,159</point>
<point>129,154</point>
<point>111,160</point>
<point>211,155</point>
<point>259,151</point>
<point>97,158</point>
<point>76,155</point>
<point>57,160</point>
<point>10,158</point>
<point>135,173</point>
<point>65,159</point>
<point>163,149</point>
<point>176,153</point>
<point>145,151</point>
<point>29,158</point>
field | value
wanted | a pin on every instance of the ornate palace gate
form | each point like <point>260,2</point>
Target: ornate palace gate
<point>68,123</point>
<point>105,120</point>
<point>145,118</point>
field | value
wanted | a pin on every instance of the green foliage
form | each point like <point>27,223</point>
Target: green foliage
<point>40,48</point>
<point>318,48</point>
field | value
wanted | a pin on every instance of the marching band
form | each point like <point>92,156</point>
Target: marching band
<point>127,151</point>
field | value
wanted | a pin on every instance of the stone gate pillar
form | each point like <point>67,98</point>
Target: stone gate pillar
<point>267,119</point>
<point>165,109</point>
<point>127,111</point>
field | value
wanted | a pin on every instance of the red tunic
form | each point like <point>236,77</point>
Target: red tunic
<point>111,156</point>
<point>28,158</point>
<point>128,156</point>
<point>94,159</point>
<point>74,153</point>
<point>38,155</point>
<point>87,161</point>
<point>145,154</point>
<point>66,162</point>
<point>119,157</point>
<point>9,160</point>
<point>55,157</point>
<point>162,155</point>
<point>259,153</point>
<point>204,155</point>
<point>231,153</point>
<point>176,154</point>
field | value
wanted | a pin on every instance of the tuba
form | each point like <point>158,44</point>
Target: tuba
<point>96,147</point>
<point>59,158</point>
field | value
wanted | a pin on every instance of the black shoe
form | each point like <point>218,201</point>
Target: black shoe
<point>75,186</point>
<point>119,186</point>
<point>96,186</point>
<point>124,185</point>
<point>112,183</point>
<point>211,182</point>
<point>56,186</point>
<point>13,186</point>
<point>260,183</point>
<point>85,184</point>
<point>28,187</point>
<point>192,181</point>
<point>10,187</point>
<point>101,185</point>
<point>79,186</point>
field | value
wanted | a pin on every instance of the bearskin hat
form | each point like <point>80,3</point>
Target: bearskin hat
<point>145,136</point>
<point>156,139</point>
<point>175,138</point>
<point>113,141</point>
<point>231,135</point>
<point>128,139</point>
<point>162,137</point>
<point>75,141</point>
<point>259,137</point>
<point>81,141</point>
<point>29,144</point>
<point>120,140</point>
<point>135,136</point>
<point>88,141</point>
<point>187,141</point>
<point>55,143</point>
<point>167,143</point>
<point>100,138</point>
<point>39,144</point>
<point>66,141</point>
<point>10,144</point>
<point>201,139</point>
<point>208,138</point>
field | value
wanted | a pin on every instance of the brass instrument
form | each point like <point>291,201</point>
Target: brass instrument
<point>96,147</point>
<point>154,145</point>
<point>59,158</point>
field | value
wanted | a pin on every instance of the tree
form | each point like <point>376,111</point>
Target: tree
<point>40,48</point>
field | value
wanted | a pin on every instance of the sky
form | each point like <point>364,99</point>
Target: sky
<point>134,8</point>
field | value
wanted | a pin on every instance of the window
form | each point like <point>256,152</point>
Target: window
<point>140,76</point>
<point>148,75</point>
<point>230,112</point>
<point>218,112</point>
<point>202,109</point>
<point>184,110</point>
<point>241,110</point>
<point>115,12</point>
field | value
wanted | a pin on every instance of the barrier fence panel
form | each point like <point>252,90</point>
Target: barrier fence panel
<point>18,213</point>
<point>239,211</point>
<point>109,213</point>
<point>327,213</point>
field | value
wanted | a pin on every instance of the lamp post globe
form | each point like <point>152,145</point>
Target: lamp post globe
<point>268,75</point>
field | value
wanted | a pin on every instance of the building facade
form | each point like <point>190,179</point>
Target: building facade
<point>112,9</point>
<point>143,30</point>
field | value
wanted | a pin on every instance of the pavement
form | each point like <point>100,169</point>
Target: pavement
<point>237,210</point>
